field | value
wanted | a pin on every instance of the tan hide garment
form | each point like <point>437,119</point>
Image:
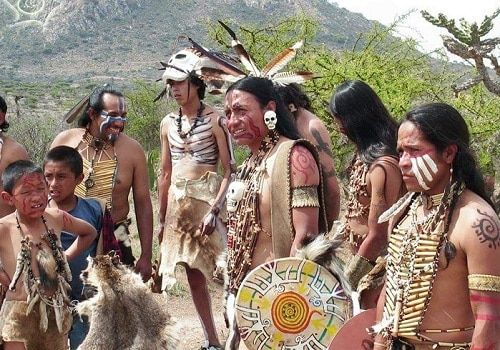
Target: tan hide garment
<point>281,198</point>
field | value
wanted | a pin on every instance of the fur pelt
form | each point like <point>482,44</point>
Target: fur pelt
<point>322,250</point>
<point>124,313</point>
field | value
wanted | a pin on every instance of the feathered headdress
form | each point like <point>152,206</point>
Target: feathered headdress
<point>272,69</point>
<point>214,68</point>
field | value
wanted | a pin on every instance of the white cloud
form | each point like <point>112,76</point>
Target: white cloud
<point>414,26</point>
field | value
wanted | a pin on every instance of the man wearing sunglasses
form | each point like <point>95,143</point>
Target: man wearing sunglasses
<point>114,163</point>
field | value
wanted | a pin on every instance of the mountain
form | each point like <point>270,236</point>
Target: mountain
<point>81,40</point>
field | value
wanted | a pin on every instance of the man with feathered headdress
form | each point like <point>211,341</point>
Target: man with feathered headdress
<point>276,201</point>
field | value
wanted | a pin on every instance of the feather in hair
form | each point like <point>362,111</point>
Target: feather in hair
<point>285,78</point>
<point>242,53</point>
<point>281,60</point>
<point>207,73</point>
<point>77,110</point>
<point>224,64</point>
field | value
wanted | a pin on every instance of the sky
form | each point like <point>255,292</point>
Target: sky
<point>414,26</point>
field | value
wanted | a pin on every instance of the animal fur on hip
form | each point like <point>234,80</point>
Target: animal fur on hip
<point>124,313</point>
<point>322,250</point>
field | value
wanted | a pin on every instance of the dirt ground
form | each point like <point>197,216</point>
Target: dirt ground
<point>182,308</point>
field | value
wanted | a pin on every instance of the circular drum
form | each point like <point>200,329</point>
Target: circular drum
<point>290,304</point>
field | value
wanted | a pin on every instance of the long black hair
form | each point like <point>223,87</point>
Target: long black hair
<point>96,103</point>
<point>3,108</point>
<point>264,91</point>
<point>293,94</point>
<point>367,122</point>
<point>442,125</point>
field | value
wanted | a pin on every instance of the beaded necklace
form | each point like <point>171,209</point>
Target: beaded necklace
<point>51,287</point>
<point>244,224</point>
<point>413,260</point>
<point>100,173</point>
<point>197,120</point>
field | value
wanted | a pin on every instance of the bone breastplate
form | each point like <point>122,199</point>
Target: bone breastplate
<point>411,269</point>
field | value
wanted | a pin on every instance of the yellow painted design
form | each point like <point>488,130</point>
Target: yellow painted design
<point>263,303</point>
<point>246,295</point>
<point>309,268</point>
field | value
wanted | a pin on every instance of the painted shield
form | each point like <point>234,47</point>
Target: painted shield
<point>290,304</point>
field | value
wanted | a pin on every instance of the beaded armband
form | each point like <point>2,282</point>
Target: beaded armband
<point>305,196</point>
<point>487,283</point>
<point>357,268</point>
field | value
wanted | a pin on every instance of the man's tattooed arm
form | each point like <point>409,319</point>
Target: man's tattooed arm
<point>321,144</point>
<point>487,230</point>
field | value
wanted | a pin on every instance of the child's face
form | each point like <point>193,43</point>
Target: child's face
<point>61,180</point>
<point>29,195</point>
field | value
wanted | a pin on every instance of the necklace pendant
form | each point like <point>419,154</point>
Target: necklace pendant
<point>89,183</point>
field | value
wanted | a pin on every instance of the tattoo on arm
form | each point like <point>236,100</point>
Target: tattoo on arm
<point>302,162</point>
<point>479,298</point>
<point>487,230</point>
<point>320,143</point>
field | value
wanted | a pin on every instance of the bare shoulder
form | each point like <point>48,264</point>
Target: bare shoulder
<point>14,150</point>
<point>214,115</point>
<point>70,137</point>
<point>477,223</point>
<point>304,168</point>
<point>128,148</point>
<point>385,165</point>
<point>7,225</point>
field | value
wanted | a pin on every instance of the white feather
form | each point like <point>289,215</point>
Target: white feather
<point>396,208</point>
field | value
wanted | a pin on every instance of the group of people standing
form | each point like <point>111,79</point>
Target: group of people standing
<point>418,240</point>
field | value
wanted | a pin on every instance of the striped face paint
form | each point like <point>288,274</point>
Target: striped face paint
<point>109,120</point>
<point>424,168</point>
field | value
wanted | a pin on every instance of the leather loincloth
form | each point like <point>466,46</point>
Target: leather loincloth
<point>16,326</point>
<point>188,202</point>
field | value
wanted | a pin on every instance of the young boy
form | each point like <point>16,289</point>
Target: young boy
<point>63,170</point>
<point>35,314</point>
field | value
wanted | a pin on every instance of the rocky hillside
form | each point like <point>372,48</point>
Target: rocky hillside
<point>78,41</point>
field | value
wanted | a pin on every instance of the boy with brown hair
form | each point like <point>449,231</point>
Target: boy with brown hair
<point>36,316</point>
<point>63,171</point>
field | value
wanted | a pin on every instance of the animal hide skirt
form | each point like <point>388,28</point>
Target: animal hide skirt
<point>16,326</point>
<point>188,202</point>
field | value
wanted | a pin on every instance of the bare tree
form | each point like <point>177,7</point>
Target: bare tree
<point>467,44</point>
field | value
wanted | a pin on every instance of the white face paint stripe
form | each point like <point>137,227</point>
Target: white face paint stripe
<point>416,172</point>
<point>423,168</point>
<point>430,163</point>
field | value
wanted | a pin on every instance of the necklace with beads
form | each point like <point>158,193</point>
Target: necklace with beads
<point>244,224</point>
<point>197,120</point>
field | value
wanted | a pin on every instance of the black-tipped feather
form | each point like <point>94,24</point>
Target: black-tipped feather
<point>242,53</point>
